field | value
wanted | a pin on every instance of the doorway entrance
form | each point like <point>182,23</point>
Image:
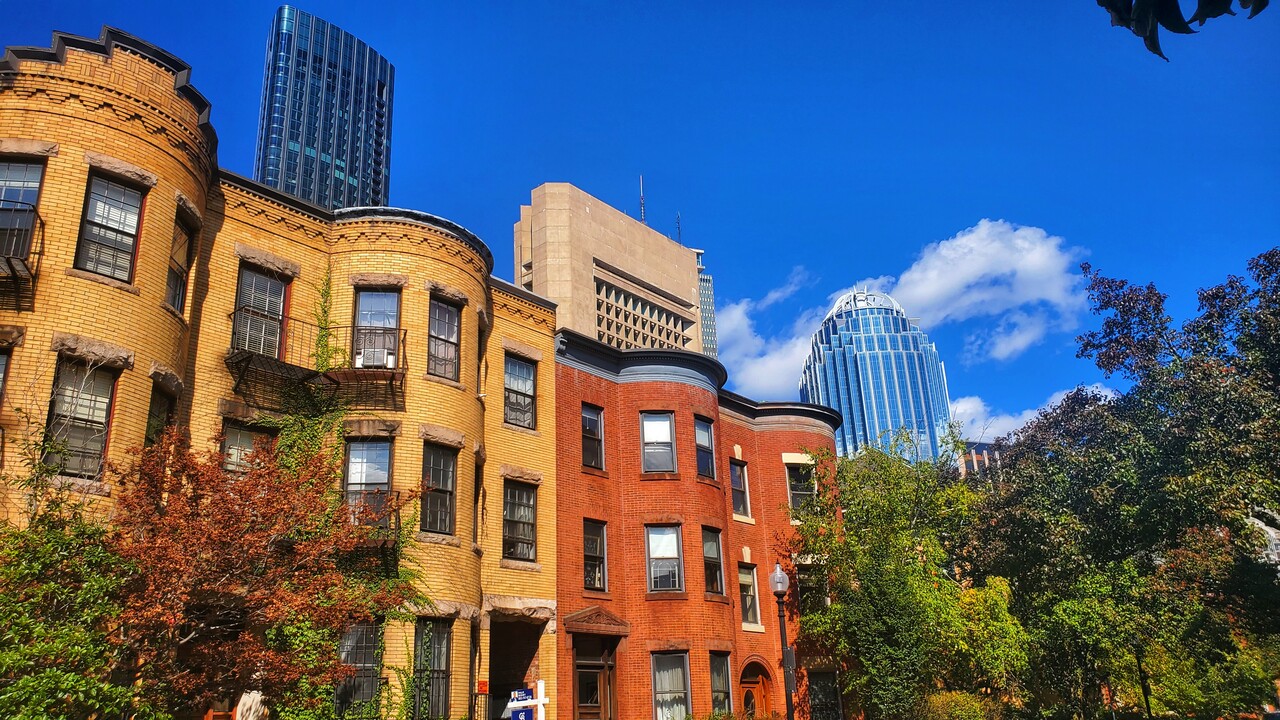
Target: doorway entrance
<point>594,677</point>
<point>754,691</point>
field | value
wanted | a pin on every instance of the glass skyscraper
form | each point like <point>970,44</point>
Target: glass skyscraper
<point>324,131</point>
<point>875,366</point>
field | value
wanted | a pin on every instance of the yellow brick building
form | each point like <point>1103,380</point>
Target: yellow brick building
<point>140,281</point>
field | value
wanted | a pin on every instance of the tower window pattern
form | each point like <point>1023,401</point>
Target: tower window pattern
<point>626,320</point>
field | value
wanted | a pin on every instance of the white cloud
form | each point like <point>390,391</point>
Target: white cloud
<point>978,424</point>
<point>1021,280</point>
<point>759,367</point>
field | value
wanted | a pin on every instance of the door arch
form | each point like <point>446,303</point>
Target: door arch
<point>755,691</point>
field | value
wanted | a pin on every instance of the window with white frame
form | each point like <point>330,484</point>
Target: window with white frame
<point>666,568</point>
<point>657,432</point>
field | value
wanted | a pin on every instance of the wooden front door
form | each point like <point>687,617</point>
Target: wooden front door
<point>753,691</point>
<point>594,678</point>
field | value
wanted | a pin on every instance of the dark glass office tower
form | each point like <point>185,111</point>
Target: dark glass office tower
<point>324,132</point>
<point>873,364</point>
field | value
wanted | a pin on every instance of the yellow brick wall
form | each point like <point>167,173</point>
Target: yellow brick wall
<point>124,106</point>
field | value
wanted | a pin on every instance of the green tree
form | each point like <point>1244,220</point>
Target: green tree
<point>1128,525</point>
<point>881,530</point>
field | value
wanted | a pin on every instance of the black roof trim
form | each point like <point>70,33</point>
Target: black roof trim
<point>520,292</point>
<point>284,198</point>
<point>104,45</point>
<point>613,359</point>
<point>750,407</point>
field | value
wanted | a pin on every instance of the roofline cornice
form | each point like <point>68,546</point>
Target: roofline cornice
<point>614,360</point>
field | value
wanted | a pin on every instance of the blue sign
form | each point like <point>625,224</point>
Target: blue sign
<point>521,713</point>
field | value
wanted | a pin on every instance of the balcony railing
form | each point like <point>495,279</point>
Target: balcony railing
<point>21,246</point>
<point>364,366</point>
<point>379,509</point>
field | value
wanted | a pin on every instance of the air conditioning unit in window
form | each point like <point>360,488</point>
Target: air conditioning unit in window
<point>375,359</point>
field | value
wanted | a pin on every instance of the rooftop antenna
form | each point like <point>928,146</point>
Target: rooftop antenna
<point>642,201</point>
<point>678,226</point>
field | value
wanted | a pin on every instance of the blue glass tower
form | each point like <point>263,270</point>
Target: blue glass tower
<point>324,131</point>
<point>873,365</point>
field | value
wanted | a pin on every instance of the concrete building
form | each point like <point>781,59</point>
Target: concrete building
<point>140,281</point>
<point>324,129</point>
<point>612,278</point>
<point>873,364</point>
<point>707,298</point>
<point>672,512</point>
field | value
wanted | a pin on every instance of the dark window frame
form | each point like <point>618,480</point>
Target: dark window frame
<point>596,440</point>
<point>754,603</point>
<point>57,421</point>
<point>713,567</point>
<point>510,394</point>
<point>381,494</point>
<point>437,364</point>
<point>433,636</point>
<point>366,658</point>
<point>599,560</point>
<point>81,260</point>
<point>740,486</point>
<point>685,694</point>
<point>175,290</point>
<point>510,540</point>
<point>240,464</point>
<point>721,698</point>
<point>156,425</point>
<point>803,472</point>
<point>385,337</point>
<point>705,454</point>
<point>241,336</point>
<point>433,476</point>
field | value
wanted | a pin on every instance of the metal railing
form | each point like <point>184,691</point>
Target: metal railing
<point>306,345</point>
<point>376,508</point>
<point>20,226</point>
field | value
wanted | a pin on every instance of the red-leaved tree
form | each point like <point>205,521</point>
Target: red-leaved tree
<point>229,562</point>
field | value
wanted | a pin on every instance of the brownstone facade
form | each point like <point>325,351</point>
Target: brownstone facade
<point>658,554</point>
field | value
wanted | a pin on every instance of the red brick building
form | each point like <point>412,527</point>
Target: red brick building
<point>672,511</point>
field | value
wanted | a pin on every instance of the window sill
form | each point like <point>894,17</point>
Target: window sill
<point>587,470</point>
<point>523,565</point>
<point>709,482</point>
<point>717,598</point>
<point>444,381</point>
<point>435,538</point>
<point>752,627</point>
<point>744,519</point>
<point>660,595</point>
<point>475,548</point>
<point>597,594</point>
<point>659,476</point>
<point>173,311</point>
<point>85,485</point>
<point>103,280</point>
<point>520,429</point>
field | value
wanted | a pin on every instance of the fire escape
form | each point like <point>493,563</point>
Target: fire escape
<point>21,246</point>
<point>281,363</point>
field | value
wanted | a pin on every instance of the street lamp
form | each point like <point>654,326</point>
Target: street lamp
<point>779,582</point>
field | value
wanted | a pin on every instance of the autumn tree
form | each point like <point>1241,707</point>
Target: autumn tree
<point>232,565</point>
<point>1129,525</point>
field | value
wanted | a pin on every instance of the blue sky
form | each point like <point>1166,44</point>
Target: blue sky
<point>966,155</point>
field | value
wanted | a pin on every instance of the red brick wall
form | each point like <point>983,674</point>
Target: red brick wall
<point>626,500</point>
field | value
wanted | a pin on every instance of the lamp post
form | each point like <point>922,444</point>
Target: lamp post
<point>779,582</point>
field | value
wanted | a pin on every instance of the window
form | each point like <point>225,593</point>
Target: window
<point>109,231</point>
<point>747,595</point>
<point>666,571</point>
<point>361,648</point>
<point>712,560</point>
<point>738,481</point>
<point>375,342</point>
<point>79,415</point>
<point>671,686</point>
<point>19,191</point>
<point>442,346</point>
<point>720,692</point>
<point>175,292</point>
<point>518,402</point>
<point>812,590</point>
<point>519,521</point>
<point>259,315</point>
<point>706,453</point>
<point>368,480</point>
<point>656,434</point>
<point>439,477</point>
<point>432,642</point>
<point>594,551</point>
<point>4,369</point>
<point>824,695</point>
<point>592,437</point>
<point>237,443</point>
<point>159,415</point>
<point>800,481</point>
